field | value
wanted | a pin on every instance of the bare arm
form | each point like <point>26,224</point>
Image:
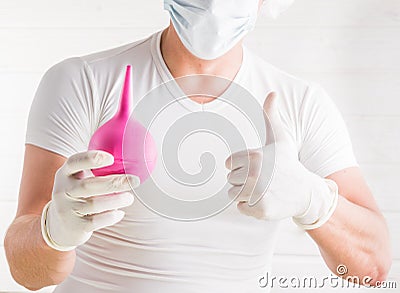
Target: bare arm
<point>33,264</point>
<point>356,235</point>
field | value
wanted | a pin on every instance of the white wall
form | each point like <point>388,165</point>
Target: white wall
<point>351,47</point>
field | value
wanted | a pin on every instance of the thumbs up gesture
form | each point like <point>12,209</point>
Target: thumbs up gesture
<point>271,184</point>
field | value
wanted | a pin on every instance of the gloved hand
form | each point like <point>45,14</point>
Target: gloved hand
<point>82,204</point>
<point>271,184</point>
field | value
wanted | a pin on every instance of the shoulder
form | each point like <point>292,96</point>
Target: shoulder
<point>134,48</point>
<point>78,66</point>
<point>66,68</point>
<point>294,91</point>
<point>277,78</point>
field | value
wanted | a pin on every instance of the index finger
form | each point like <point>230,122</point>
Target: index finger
<point>237,160</point>
<point>88,160</point>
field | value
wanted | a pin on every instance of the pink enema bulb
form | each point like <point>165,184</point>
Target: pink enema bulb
<point>134,151</point>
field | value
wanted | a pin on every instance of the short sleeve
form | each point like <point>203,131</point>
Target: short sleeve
<point>60,117</point>
<point>326,146</point>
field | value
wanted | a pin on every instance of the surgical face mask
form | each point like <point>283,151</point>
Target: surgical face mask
<point>210,28</point>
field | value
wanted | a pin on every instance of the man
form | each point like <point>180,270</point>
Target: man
<point>70,229</point>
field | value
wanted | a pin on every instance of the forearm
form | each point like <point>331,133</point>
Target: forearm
<point>33,264</point>
<point>357,238</point>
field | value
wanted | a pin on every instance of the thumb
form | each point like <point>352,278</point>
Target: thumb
<point>273,123</point>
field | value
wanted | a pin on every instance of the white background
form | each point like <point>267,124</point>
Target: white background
<point>351,47</point>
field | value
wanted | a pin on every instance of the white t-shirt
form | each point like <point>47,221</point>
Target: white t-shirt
<point>146,252</point>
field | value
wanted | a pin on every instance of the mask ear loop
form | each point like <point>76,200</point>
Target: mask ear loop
<point>274,8</point>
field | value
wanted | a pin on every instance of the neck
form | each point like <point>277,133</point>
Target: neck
<point>181,62</point>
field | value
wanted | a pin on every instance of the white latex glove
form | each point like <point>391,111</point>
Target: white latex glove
<point>81,204</point>
<point>291,191</point>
